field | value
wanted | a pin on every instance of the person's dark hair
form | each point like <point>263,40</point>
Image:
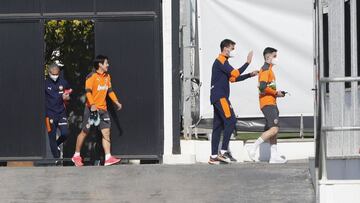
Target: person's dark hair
<point>268,50</point>
<point>226,43</point>
<point>99,59</point>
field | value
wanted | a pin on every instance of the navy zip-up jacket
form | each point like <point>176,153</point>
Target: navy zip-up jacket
<point>53,96</point>
<point>222,74</point>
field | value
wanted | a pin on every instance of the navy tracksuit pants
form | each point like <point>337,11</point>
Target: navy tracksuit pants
<point>224,121</point>
<point>54,123</point>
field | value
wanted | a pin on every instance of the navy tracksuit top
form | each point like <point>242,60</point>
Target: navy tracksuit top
<point>222,74</point>
<point>53,96</point>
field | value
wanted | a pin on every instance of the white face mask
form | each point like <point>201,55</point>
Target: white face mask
<point>274,61</point>
<point>232,54</point>
<point>54,77</point>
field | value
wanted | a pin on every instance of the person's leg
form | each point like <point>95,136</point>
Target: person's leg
<point>64,131</point>
<point>81,137</point>
<point>79,141</point>
<point>271,127</point>
<point>106,140</point>
<point>52,137</point>
<point>85,128</point>
<point>275,157</point>
<point>229,128</point>
<point>76,159</point>
<point>215,136</point>
<point>272,114</point>
<point>227,117</point>
<point>105,125</point>
<point>271,133</point>
<point>216,132</point>
<point>273,145</point>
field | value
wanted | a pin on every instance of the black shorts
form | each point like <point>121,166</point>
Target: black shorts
<point>105,121</point>
<point>271,113</point>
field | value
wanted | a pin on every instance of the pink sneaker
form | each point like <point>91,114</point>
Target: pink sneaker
<point>77,160</point>
<point>111,161</point>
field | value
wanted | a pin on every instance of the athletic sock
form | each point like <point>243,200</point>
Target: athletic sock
<point>258,143</point>
<point>77,154</point>
<point>213,156</point>
<point>107,156</point>
<point>273,149</point>
<point>223,151</point>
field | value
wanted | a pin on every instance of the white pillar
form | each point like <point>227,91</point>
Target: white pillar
<point>167,76</point>
<point>168,157</point>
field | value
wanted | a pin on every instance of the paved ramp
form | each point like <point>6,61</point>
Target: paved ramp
<point>159,183</point>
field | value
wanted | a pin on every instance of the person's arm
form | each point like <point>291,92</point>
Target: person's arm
<point>113,96</point>
<point>237,78</point>
<point>229,70</point>
<point>241,78</point>
<point>66,85</point>
<point>263,87</point>
<point>243,67</point>
<point>67,91</point>
<point>88,88</point>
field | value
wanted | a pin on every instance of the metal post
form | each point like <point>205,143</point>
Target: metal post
<point>186,66</point>
<point>323,141</point>
<point>354,72</point>
<point>336,97</point>
<point>317,61</point>
<point>301,127</point>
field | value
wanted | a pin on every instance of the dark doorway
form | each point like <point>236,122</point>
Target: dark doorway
<point>71,44</point>
<point>129,32</point>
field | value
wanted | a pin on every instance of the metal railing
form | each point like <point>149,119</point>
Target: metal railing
<point>324,128</point>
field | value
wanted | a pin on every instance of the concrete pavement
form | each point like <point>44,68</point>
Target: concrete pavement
<point>246,182</point>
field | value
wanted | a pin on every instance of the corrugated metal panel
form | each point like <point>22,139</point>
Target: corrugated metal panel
<point>342,103</point>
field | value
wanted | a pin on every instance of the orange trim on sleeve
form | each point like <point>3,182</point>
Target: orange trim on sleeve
<point>113,97</point>
<point>235,73</point>
<point>47,124</point>
<point>226,108</point>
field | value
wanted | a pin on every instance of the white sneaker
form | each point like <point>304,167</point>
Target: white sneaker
<point>251,152</point>
<point>277,159</point>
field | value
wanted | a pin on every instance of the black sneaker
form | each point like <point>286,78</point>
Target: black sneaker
<point>232,159</point>
<point>59,163</point>
<point>214,161</point>
<point>224,158</point>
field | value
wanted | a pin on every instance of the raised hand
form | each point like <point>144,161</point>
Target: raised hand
<point>250,56</point>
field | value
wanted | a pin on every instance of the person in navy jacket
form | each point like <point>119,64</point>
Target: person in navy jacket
<point>224,117</point>
<point>57,93</point>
